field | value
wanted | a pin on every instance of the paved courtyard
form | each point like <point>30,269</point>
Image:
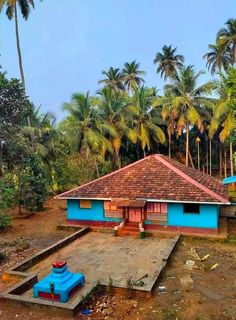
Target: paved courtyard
<point>101,255</point>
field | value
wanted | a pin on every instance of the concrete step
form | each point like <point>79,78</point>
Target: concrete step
<point>125,233</point>
<point>131,228</point>
<point>136,224</point>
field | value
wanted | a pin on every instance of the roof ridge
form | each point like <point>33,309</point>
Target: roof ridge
<point>189,179</point>
<point>106,175</point>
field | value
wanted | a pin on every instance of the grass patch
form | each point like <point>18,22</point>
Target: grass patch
<point>169,314</point>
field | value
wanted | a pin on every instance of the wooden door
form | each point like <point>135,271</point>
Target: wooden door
<point>135,214</point>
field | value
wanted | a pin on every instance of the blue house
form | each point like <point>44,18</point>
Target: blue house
<point>155,193</point>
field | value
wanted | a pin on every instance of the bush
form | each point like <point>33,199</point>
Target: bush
<point>5,221</point>
<point>7,192</point>
<point>33,184</point>
<point>22,245</point>
<point>2,256</point>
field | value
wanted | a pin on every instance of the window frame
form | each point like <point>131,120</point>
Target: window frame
<point>112,211</point>
<point>85,204</point>
<point>190,210</point>
<point>157,208</point>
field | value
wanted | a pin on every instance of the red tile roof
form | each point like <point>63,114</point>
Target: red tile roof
<point>154,177</point>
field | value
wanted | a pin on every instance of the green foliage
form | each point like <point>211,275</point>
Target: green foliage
<point>74,170</point>
<point>5,221</point>
<point>168,62</point>
<point>33,184</point>
<point>3,256</point>
<point>14,108</point>
<point>7,192</point>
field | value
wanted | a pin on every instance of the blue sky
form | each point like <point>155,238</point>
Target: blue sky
<point>67,43</point>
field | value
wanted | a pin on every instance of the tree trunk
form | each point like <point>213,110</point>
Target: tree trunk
<point>210,158</point>
<point>187,144</point>
<point>220,160</point>
<point>169,146</point>
<point>231,159</point>
<point>198,156</point>
<point>98,175</point>
<point>19,49</point>
<point>144,153</point>
<point>19,208</point>
<point>225,162</point>
<point>207,157</point>
<point>191,159</point>
<point>21,67</point>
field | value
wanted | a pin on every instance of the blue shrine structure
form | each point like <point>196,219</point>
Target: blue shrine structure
<point>60,285</point>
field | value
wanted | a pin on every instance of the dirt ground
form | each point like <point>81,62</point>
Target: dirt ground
<point>27,236</point>
<point>205,290</point>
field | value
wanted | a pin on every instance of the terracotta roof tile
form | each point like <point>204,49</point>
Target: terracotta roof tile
<point>154,177</point>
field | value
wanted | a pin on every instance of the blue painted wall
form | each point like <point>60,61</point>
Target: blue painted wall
<point>95,213</point>
<point>207,218</point>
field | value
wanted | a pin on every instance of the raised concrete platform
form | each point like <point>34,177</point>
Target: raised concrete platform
<point>99,256</point>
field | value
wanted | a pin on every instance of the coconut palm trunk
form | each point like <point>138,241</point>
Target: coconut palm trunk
<point>21,68</point>
<point>210,157</point>
<point>187,144</point>
<point>231,159</point>
<point>169,144</point>
<point>220,161</point>
<point>198,156</point>
<point>207,157</point>
<point>225,162</point>
<point>19,48</point>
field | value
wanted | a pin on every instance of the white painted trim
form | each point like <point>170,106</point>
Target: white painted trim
<point>175,201</point>
<point>148,200</point>
<point>76,198</point>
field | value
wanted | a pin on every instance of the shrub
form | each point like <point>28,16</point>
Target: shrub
<point>33,184</point>
<point>2,256</point>
<point>7,192</point>
<point>22,245</point>
<point>5,221</point>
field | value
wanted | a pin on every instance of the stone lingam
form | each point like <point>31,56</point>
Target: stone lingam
<point>60,285</point>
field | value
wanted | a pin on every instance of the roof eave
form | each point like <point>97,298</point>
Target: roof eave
<point>148,200</point>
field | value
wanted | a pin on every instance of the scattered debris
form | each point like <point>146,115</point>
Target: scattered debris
<point>214,266</point>
<point>161,289</point>
<point>170,277</point>
<point>86,312</point>
<point>195,254</point>
<point>190,264</point>
<point>177,292</point>
<point>205,257</point>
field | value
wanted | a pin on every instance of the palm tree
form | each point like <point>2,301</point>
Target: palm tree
<point>168,62</point>
<point>80,127</point>
<point>217,58</point>
<point>113,80</point>
<point>166,112</point>
<point>143,125</point>
<point>11,12</point>
<point>187,101</point>
<point>225,112</point>
<point>227,37</point>
<point>131,75</point>
<point>113,123</point>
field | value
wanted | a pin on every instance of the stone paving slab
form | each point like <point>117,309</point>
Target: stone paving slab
<point>100,256</point>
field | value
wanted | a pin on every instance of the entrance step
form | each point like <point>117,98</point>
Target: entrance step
<point>123,232</point>
<point>130,229</point>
